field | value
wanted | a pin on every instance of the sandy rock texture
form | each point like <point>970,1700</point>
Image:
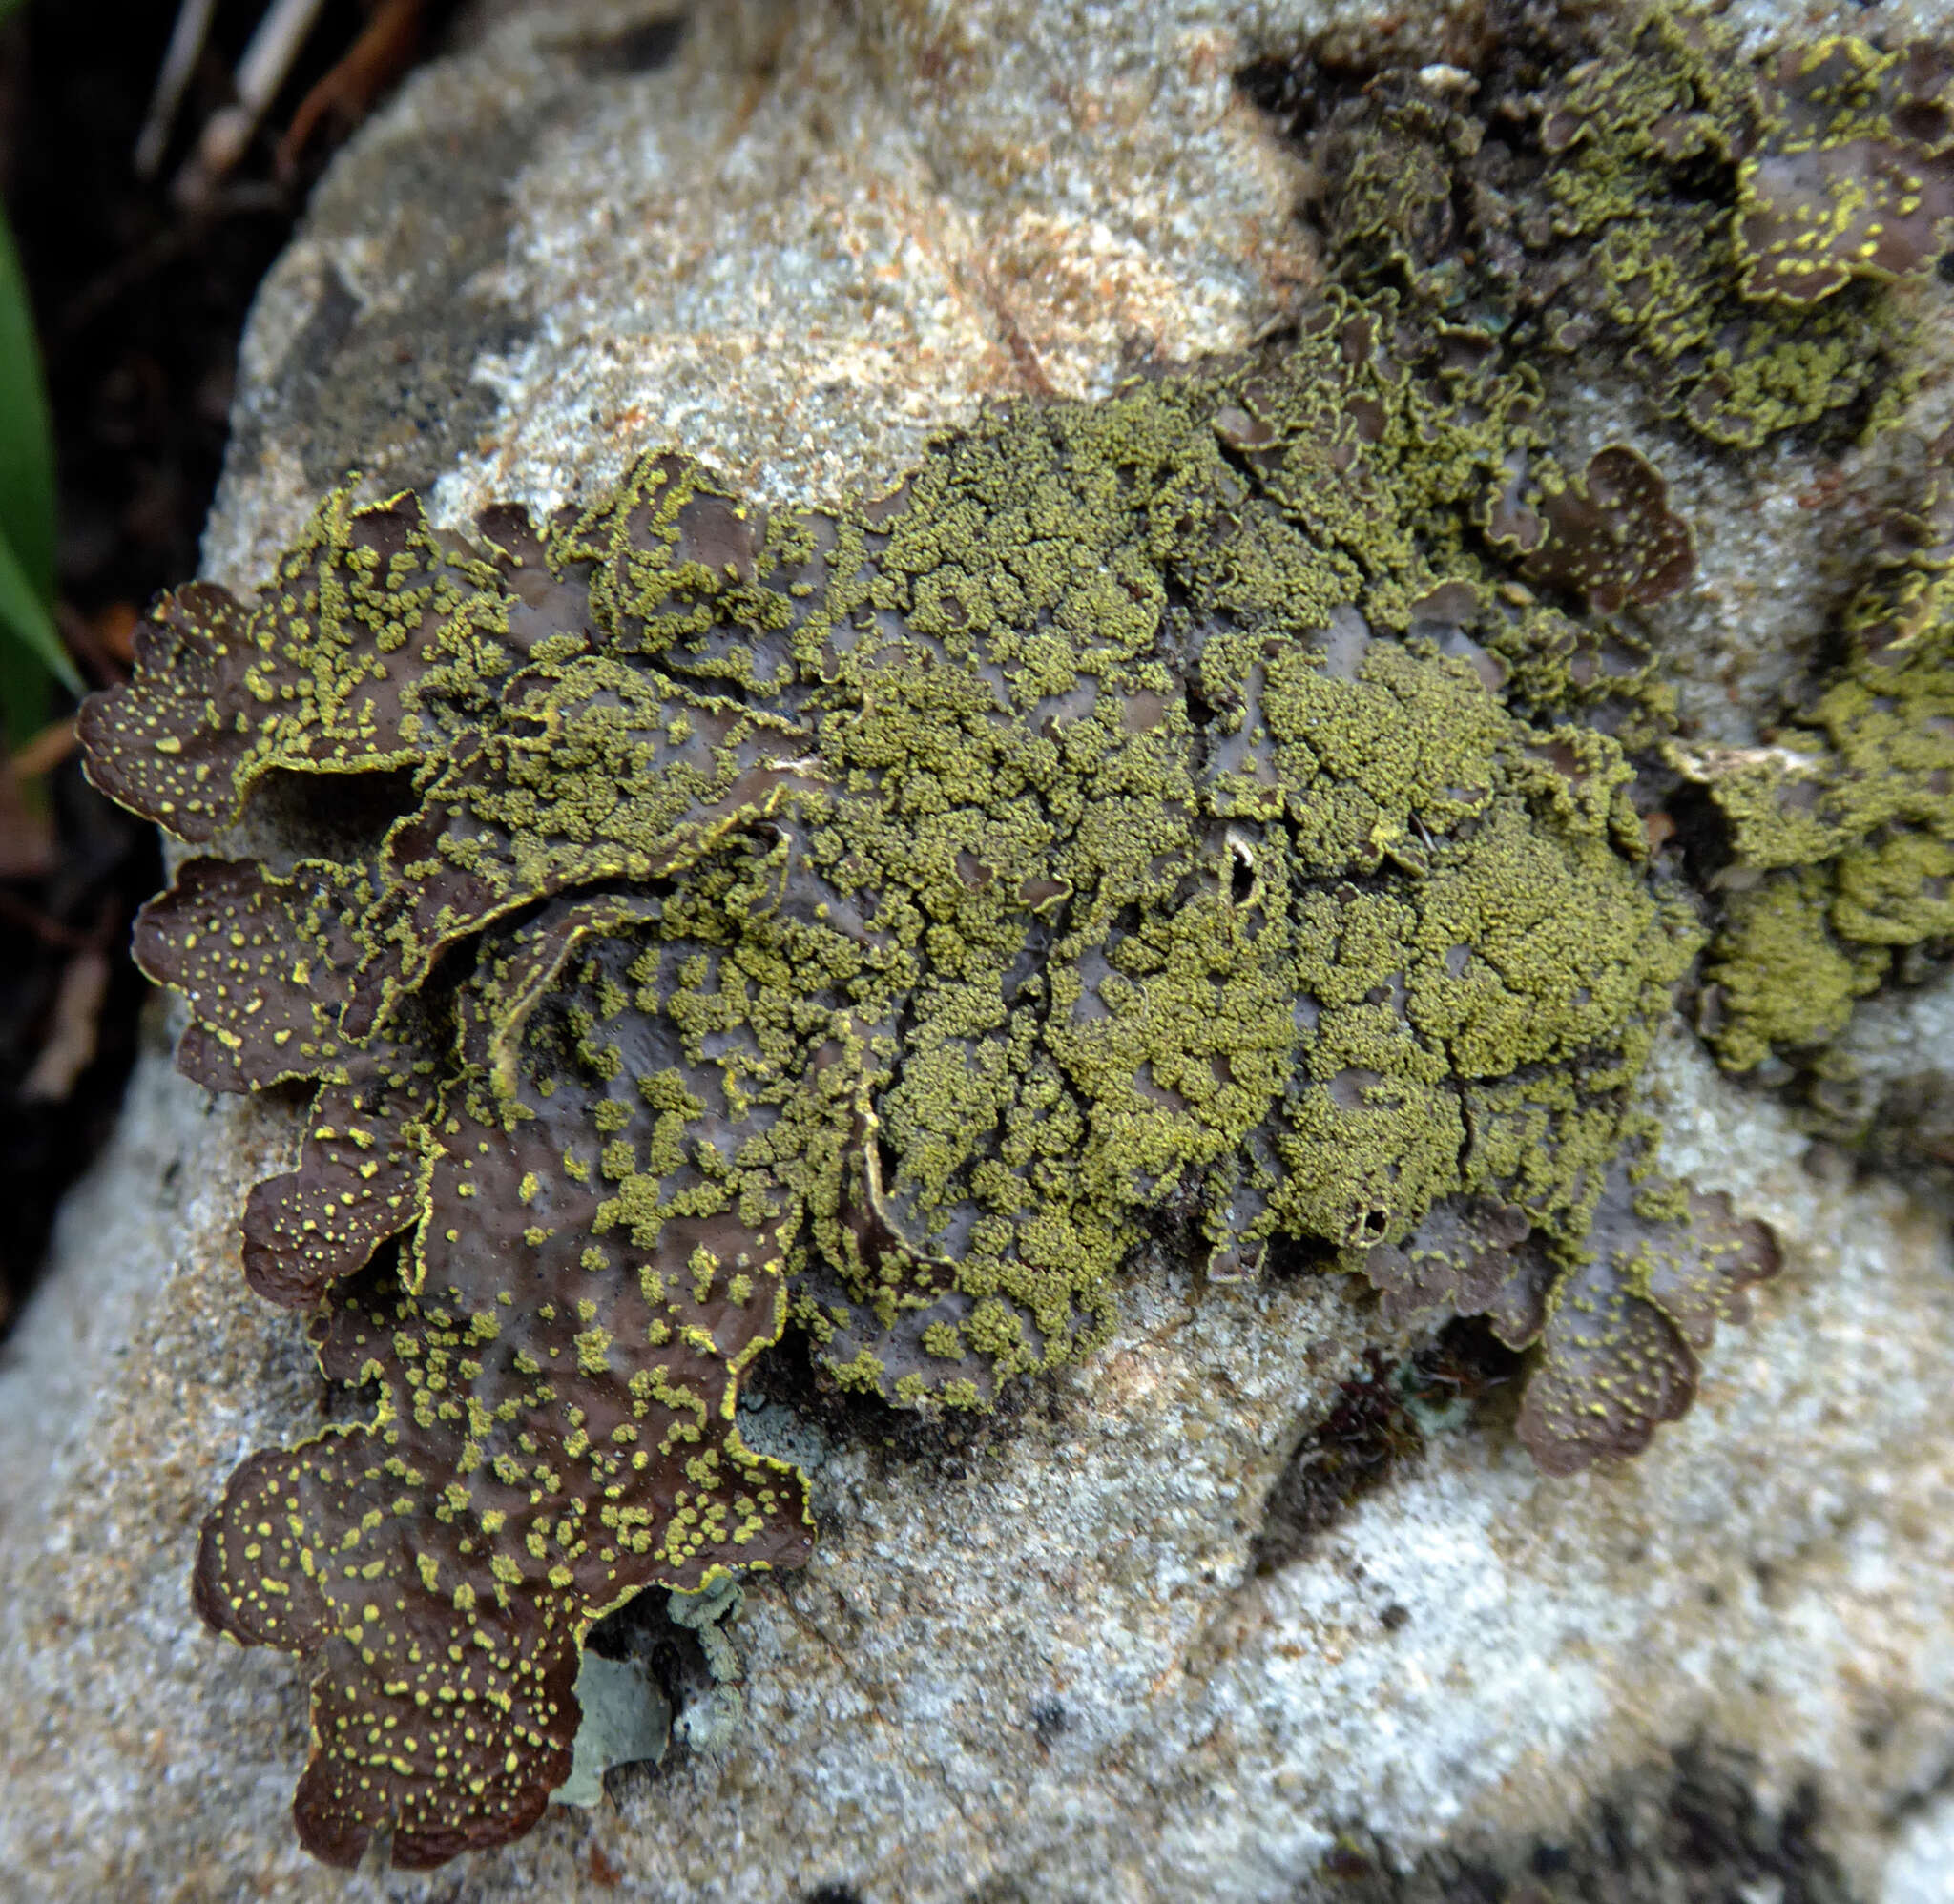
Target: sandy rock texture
<point>1044,1663</point>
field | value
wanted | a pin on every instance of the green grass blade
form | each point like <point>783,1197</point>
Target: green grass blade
<point>25,698</point>
<point>27,447</point>
<point>29,643</point>
<point>24,617</point>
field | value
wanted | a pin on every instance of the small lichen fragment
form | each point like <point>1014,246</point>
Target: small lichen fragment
<point>708,1723</point>
<point>1608,534</point>
<point>1841,828</point>
<point>1619,1332</point>
<point>1624,1331</point>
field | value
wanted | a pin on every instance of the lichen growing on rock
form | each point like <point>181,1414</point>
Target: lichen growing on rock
<point>873,914</point>
<point>1728,232</point>
<point>1217,798</point>
<point>1841,828</point>
<point>1724,231</point>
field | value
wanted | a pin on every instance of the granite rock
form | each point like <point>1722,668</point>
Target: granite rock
<point>1042,1660</point>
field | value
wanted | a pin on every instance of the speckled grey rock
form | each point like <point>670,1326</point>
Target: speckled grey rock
<point>1887,1100</point>
<point>1043,1666</point>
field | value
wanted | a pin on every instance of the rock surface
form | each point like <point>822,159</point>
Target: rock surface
<point>1039,1663</point>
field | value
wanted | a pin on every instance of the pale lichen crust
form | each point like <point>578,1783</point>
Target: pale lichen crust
<point>1222,807</point>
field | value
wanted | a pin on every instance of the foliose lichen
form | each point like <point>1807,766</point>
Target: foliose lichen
<point>1221,798</point>
<point>1725,232</point>
<point>868,916</point>
<point>1729,233</point>
<point>1842,826</point>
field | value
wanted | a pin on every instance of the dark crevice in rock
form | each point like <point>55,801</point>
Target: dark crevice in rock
<point>1691,1830</point>
<point>644,46</point>
<point>1377,1426</point>
<point>946,1444</point>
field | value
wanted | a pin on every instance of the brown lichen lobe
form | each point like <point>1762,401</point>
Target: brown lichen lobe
<point>518,1477</point>
<point>1854,176</point>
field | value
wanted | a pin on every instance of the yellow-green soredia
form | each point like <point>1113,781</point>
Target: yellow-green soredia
<point>1841,830</point>
<point>1724,232</point>
<point>1208,808</point>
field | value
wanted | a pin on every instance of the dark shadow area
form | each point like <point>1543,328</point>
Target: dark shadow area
<point>139,304</point>
<point>944,1443</point>
<point>1377,1426</point>
<point>1687,1831</point>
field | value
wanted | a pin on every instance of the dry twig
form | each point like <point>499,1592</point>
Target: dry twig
<point>260,73</point>
<point>73,1029</point>
<point>179,62</point>
<point>388,46</point>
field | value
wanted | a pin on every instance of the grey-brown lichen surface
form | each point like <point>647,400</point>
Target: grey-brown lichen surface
<point>1220,798</point>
